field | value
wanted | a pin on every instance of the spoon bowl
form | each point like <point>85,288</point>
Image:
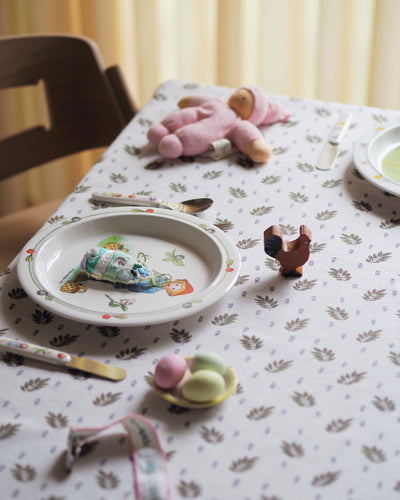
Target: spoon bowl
<point>197,205</point>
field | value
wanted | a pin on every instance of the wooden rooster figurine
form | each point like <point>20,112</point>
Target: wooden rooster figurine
<point>292,254</point>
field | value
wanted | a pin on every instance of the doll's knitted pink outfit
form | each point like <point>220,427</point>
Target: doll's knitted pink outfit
<point>190,131</point>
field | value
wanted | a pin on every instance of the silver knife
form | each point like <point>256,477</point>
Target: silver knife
<point>331,148</point>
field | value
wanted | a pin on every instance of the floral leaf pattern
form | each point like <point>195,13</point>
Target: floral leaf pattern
<point>224,319</point>
<point>326,215</point>
<point>395,358</point>
<point>384,404</point>
<point>303,399</point>
<point>247,243</point>
<point>293,450</point>
<point>211,435</point>
<point>278,366</point>
<point>107,480</point>
<point>316,357</point>
<point>63,340</point>
<point>213,174</point>
<point>261,210</point>
<point>260,413</point>
<point>305,284</point>
<point>178,187</point>
<point>332,183</point>
<point>351,239</point>
<point>23,473</point>
<point>296,324</point>
<point>369,336</point>
<point>377,258</point>
<point>390,224</point>
<point>118,178</point>
<point>180,336</point>
<point>271,179</point>
<point>107,399</point>
<point>325,479</point>
<point>339,425</point>
<point>266,302</point>
<point>337,313</point>
<point>339,274</point>
<point>251,343</point>
<point>132,353</point>
<point>323,354</point>
<point>373,454</point>
<point>42,317</point>
<point>34,384</point>
<point>372,295</point>
<point>237,192</point>
<point>8,430</point>
<point>304,167</point>
<point>351,378</point>
<point>188,489</point>
<point>58,421</point>
<point>299,197</point>
<point>243,464</point>
<point>363,206</point>
<point>224,224</point>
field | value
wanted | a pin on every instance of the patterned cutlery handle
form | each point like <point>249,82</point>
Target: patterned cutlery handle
<point>131,199</point>
<point>34,351</point>
<point>340,129</point>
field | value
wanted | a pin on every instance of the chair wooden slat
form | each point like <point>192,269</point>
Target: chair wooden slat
<point>88,104</point>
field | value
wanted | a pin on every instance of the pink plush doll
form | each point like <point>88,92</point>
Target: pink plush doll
<point>204,119</point>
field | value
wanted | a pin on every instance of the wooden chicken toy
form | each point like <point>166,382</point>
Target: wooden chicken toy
<point>292,255</point>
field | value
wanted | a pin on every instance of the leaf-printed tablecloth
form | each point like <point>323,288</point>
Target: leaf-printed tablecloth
<point>315,414</point>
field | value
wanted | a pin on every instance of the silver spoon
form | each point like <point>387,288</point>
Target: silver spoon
<point>189,206</point>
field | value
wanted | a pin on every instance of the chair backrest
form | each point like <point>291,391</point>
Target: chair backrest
<point>88,104</point>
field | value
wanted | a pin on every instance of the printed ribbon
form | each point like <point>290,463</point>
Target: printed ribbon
<point>148,458</point>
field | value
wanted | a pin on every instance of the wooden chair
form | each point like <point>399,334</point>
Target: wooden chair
<point>88,106</point>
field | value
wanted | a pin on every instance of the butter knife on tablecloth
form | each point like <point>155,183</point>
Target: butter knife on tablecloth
<point>59,358</point>
<point>331,148</point>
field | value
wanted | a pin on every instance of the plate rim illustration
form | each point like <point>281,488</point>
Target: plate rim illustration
<point>228,271</point>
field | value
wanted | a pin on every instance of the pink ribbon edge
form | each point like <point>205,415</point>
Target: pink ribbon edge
<point>121,421</point>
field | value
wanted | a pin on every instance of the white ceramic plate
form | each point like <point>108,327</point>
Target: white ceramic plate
<point>200,259</point>
<point>369,155</point>
<point>174,396</point>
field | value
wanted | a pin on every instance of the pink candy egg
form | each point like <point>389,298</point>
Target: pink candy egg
<point>169,371</point>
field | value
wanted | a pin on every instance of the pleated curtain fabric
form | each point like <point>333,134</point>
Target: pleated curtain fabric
<point>337,50</point>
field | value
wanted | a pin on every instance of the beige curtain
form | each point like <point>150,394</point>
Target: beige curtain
<point>340,50</point>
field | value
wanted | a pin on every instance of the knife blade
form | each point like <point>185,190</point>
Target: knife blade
<point>59,358</point>
<point>331,148</point>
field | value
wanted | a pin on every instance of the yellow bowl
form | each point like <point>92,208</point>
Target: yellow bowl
<point>174,396</point>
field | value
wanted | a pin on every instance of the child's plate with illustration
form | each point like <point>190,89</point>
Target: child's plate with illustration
<point>128,266</point>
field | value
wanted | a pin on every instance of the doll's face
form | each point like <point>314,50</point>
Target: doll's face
<point>242,102</point>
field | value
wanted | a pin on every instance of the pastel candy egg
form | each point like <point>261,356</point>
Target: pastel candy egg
<point>203,386</point>
<point>207,360</point>
<point>169,371</point>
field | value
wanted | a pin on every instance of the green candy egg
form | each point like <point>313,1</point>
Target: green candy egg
<point>207,360</point>
<point>203,386</point>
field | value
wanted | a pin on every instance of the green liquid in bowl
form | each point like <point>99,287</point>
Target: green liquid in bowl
<point>391,164</point>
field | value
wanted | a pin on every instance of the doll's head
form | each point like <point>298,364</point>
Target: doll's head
<point>252,104</point>
<point>242,102</point>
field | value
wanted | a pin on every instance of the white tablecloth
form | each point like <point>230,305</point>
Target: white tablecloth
<point>315,414</point>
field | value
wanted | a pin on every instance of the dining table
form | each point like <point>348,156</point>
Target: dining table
<point>312,410</point>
